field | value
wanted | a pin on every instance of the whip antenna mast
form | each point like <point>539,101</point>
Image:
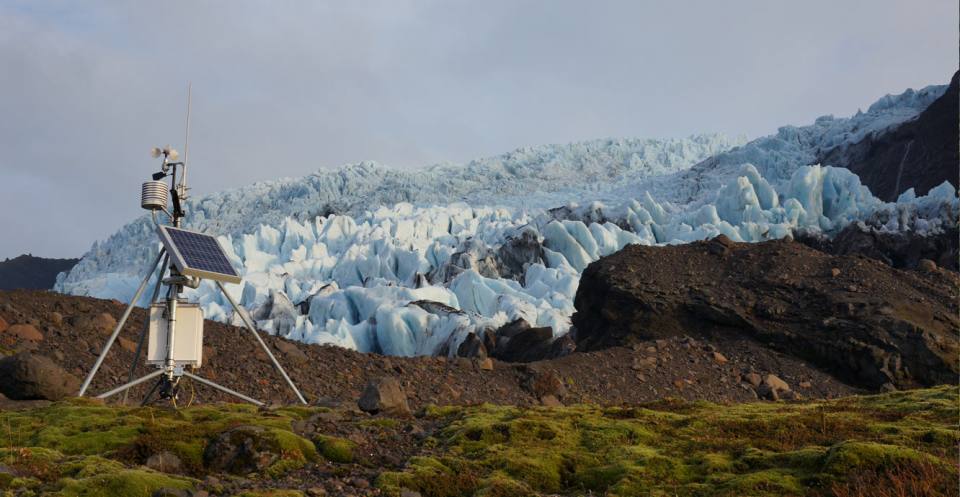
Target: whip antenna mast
<point>186,144</point>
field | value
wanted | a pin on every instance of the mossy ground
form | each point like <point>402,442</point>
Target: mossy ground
<point>694,449</point>
<point>905,441</point>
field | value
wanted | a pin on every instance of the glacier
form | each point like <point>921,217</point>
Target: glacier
<point>408,263</point>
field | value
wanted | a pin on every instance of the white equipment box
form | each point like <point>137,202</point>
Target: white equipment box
<point>188,341</point>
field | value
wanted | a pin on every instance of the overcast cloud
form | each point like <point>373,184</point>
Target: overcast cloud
<point>284,88</point>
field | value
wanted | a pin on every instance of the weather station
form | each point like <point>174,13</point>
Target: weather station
<point>173,330</point>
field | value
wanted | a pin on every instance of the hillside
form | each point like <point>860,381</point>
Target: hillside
<point>27,271</point>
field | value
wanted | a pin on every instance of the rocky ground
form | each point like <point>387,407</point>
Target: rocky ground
<point>72,330</point>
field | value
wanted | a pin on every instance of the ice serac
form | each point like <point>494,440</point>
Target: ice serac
<point>418,262</point>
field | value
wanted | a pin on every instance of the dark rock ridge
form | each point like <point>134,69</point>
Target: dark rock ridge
<point>901,249</point>
<point>921,153</point>
<point>867,322</point>
<point>33,273</point>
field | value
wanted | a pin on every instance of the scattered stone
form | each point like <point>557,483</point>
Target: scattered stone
<point>26,332</point>
<point>317,492</point>
<point>27,376</point>
<point>128,345</point>
<point>927,266</point>
<point>805,384</point>
<point>753,379</point>
<point>409,493</point>
<point>540,383</point>
<point>292,352</point>
<point>835,272</point>
<point>486,364</point>
<point>241,450</point>
<point>104,323</point>
<point>642,363</point>
<point>384,395</point>
<point>3,325</point>
<point>550,401</point>
<point>165,462</point>
<point>56,318</point>
<point>719,358</point>
<point>773,387</point>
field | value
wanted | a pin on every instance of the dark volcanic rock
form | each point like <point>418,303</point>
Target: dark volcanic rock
<point>919,154</point>
<point>384,395</point>
<point>903,250</point>
<point>870,323</point>
<point>27,376</point>
<point>528,345</point>
<point>517,252</point>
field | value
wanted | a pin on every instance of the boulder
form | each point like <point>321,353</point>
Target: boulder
<point>104,323</point>
<point>241,450</point>
<point>27,376</point>
<point>291,351</point>
<point>540,382</point>
<point>892,326</point>
<point>27,332</point>
<point>518,251</point>
<point>529,345</point>
<point>384,395</point>
<point>772,387</point>
<point>165,462</point>
<point>3,325</point>
<point>472,346</point>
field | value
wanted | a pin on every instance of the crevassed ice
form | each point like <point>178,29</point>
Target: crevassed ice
<point>408,279</point>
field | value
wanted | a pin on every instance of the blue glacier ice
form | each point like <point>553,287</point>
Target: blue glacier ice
<point>411,262</point>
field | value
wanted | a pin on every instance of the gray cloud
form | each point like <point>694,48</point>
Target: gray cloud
<point>284,88</point>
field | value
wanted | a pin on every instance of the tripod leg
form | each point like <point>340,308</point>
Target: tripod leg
<point>131,384</point>
<point>146,398</point>
<point>146,327</point>
<point>222,388</point>
<point>253,330</point>
<point>116,331</point>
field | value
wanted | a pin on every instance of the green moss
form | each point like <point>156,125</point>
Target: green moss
<point>668,448</point>
<point>335,449</point>
<point>848,456</point>
<point>501,485</point>
<point>121,483</point>
<point>271,493</point>
<point>678,448</point>
<point>385,423</point>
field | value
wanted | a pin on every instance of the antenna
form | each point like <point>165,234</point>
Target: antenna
<point>186,144</point>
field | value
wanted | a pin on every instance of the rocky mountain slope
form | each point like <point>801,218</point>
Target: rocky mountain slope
<point>919,154</point>
<point>27,271</point>
<point>865,321</point>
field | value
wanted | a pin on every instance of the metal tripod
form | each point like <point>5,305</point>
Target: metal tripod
<point>170,373</point>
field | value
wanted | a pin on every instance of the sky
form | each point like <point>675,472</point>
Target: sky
<point>286,88</point>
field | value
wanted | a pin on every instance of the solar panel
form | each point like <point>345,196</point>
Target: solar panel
<point>198,254</point>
